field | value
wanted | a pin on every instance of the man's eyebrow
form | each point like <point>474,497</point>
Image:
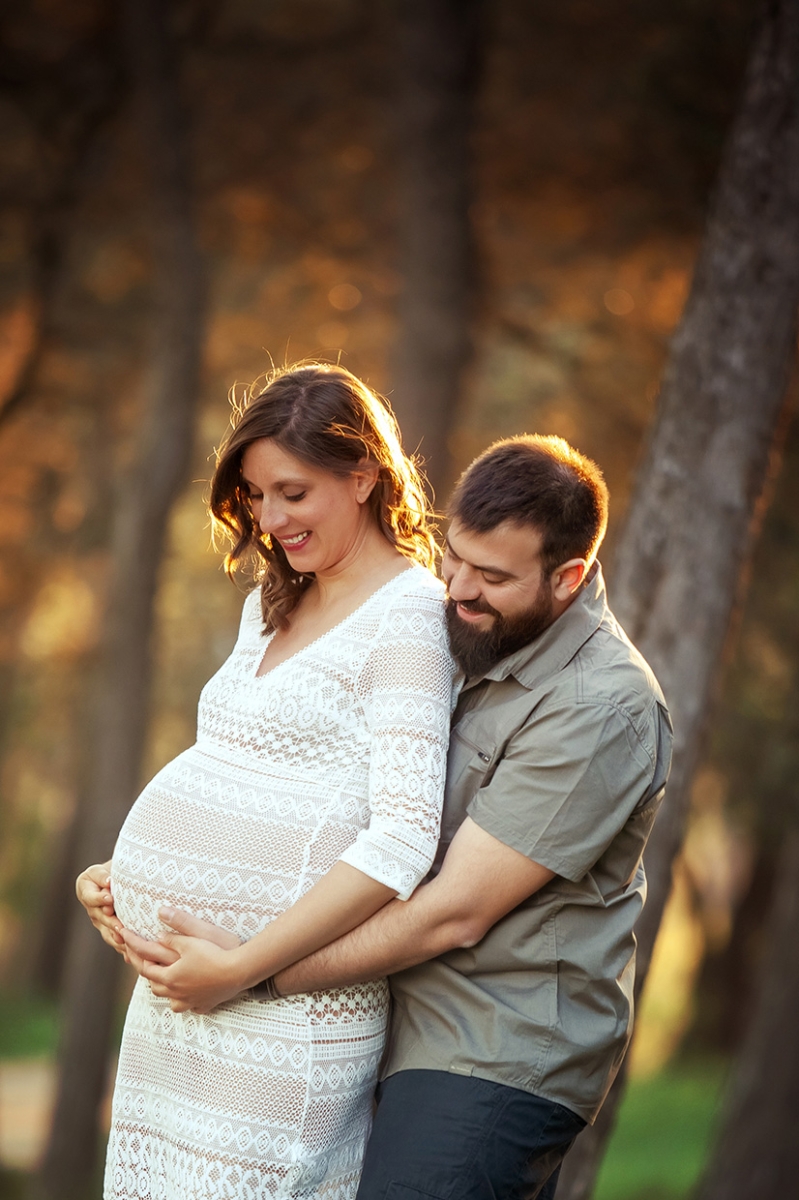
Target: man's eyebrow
<point>486,570</point>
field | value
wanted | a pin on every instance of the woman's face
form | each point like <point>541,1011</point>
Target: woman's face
<point>318,518</point>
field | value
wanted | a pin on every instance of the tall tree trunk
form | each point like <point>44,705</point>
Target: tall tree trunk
<point>438,45</point>
<point>72,143</point>
<point>757,1153</point>
<point>158,470</point>
<point>679,564</point>
<point>757,1150</point>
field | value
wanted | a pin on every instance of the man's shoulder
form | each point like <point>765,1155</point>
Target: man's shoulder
<point>608,671</point>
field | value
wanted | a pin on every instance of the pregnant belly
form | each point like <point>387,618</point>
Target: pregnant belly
<point>234,851</point>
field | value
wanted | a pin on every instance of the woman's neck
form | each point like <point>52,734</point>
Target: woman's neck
<point>370,562</point>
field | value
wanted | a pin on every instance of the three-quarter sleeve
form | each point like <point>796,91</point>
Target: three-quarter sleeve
<point>406,690</point>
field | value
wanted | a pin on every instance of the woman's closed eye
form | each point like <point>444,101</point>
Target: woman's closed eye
<point>297,496</point>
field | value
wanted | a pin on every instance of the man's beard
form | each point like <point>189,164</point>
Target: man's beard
<point>476,651</point>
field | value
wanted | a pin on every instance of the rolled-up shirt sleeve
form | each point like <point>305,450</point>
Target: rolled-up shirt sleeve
<point>406,690</point>
<point>566,785</point>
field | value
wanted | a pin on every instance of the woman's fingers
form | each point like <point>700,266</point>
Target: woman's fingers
<point>92,888</point>
<point>191,926</point>
<point>147,951</point>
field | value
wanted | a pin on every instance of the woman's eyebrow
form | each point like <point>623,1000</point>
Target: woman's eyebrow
<point>279,483</point>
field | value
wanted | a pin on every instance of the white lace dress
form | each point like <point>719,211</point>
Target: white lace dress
<point>336,754</point>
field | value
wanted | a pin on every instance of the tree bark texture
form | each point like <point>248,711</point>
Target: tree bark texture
<point>693,515</point>
<point>438,56</point>
<point>757,1153</point>
<point>757,1150</point>
<point>157,472</point>
<point>73,146</point>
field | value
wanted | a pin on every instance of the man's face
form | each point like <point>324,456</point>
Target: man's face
<point>498,598</point>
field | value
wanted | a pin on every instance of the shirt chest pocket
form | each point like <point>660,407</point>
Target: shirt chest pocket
<point>470,764</point>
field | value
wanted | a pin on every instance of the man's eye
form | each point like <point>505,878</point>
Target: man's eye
<point>297,496</point>
<point>487,579</point>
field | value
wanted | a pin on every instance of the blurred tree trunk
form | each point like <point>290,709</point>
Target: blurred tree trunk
<point>70,129</point>
<point>70,135</point>
<point>157,471</point>
<point>727,983</point>
<point>679,564</point>
<point>438,48</point>
<point>757,1153</point>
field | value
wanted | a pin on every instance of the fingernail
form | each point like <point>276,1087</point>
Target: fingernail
<point>166,914</point>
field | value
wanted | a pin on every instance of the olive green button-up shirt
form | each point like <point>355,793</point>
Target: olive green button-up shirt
<point>561,751</point>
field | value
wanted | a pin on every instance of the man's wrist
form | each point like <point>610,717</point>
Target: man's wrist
<point>267,989</point>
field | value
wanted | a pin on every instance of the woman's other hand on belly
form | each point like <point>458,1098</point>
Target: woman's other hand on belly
<point>93,889</point>
<point>202,977</point>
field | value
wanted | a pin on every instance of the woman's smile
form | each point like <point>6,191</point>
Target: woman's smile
<point>295,542</point>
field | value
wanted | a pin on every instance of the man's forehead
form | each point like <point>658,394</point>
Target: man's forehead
<point>509,547</point>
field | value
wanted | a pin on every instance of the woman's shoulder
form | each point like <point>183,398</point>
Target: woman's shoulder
<point>412,600</point>
<point>415,587</point>
<point>252,620</point>
<point>252,602</point>
<point>418,581</point>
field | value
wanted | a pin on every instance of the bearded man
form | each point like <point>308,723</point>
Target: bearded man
<point>512,967</point>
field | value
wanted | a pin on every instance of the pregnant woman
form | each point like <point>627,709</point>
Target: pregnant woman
<point>310,799</point>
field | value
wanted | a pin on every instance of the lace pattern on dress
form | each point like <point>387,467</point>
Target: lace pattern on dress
<point>337,753</point>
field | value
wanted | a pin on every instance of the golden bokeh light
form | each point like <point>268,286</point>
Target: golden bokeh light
<point>332,335</point>
<point>618,301</point>
<point>344,297</point>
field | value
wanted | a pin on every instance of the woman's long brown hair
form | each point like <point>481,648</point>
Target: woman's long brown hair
<point>326,417</point>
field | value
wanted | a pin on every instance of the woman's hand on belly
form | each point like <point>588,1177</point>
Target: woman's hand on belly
<point>189,971</point>
<point>93,889</point>
<point>144,954</point>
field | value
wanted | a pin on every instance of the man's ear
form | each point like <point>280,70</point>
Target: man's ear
<point>365,477</point>
<point>567,578</point>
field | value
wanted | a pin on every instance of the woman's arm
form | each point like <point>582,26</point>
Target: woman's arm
<point>480,881</point>
<point>206,975</point>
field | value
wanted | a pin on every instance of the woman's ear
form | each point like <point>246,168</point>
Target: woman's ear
<point>365,477</point>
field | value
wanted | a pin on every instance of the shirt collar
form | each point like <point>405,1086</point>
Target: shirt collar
<point>558,644</point>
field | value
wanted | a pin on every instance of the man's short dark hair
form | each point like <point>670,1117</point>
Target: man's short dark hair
<point>539,481</point>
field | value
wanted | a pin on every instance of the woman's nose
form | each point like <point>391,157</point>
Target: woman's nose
<point>272,518</point>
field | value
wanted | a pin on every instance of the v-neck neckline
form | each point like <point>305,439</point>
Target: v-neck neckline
<point>327,632</point>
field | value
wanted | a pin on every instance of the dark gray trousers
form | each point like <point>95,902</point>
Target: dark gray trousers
<point>442,1136</point>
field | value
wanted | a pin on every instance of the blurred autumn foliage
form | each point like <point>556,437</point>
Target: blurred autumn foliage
<point>597,130</point>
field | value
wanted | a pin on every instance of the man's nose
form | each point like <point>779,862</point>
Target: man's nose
<point>463,583</point>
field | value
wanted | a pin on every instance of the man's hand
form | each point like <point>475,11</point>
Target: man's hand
<point>93,889</point>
